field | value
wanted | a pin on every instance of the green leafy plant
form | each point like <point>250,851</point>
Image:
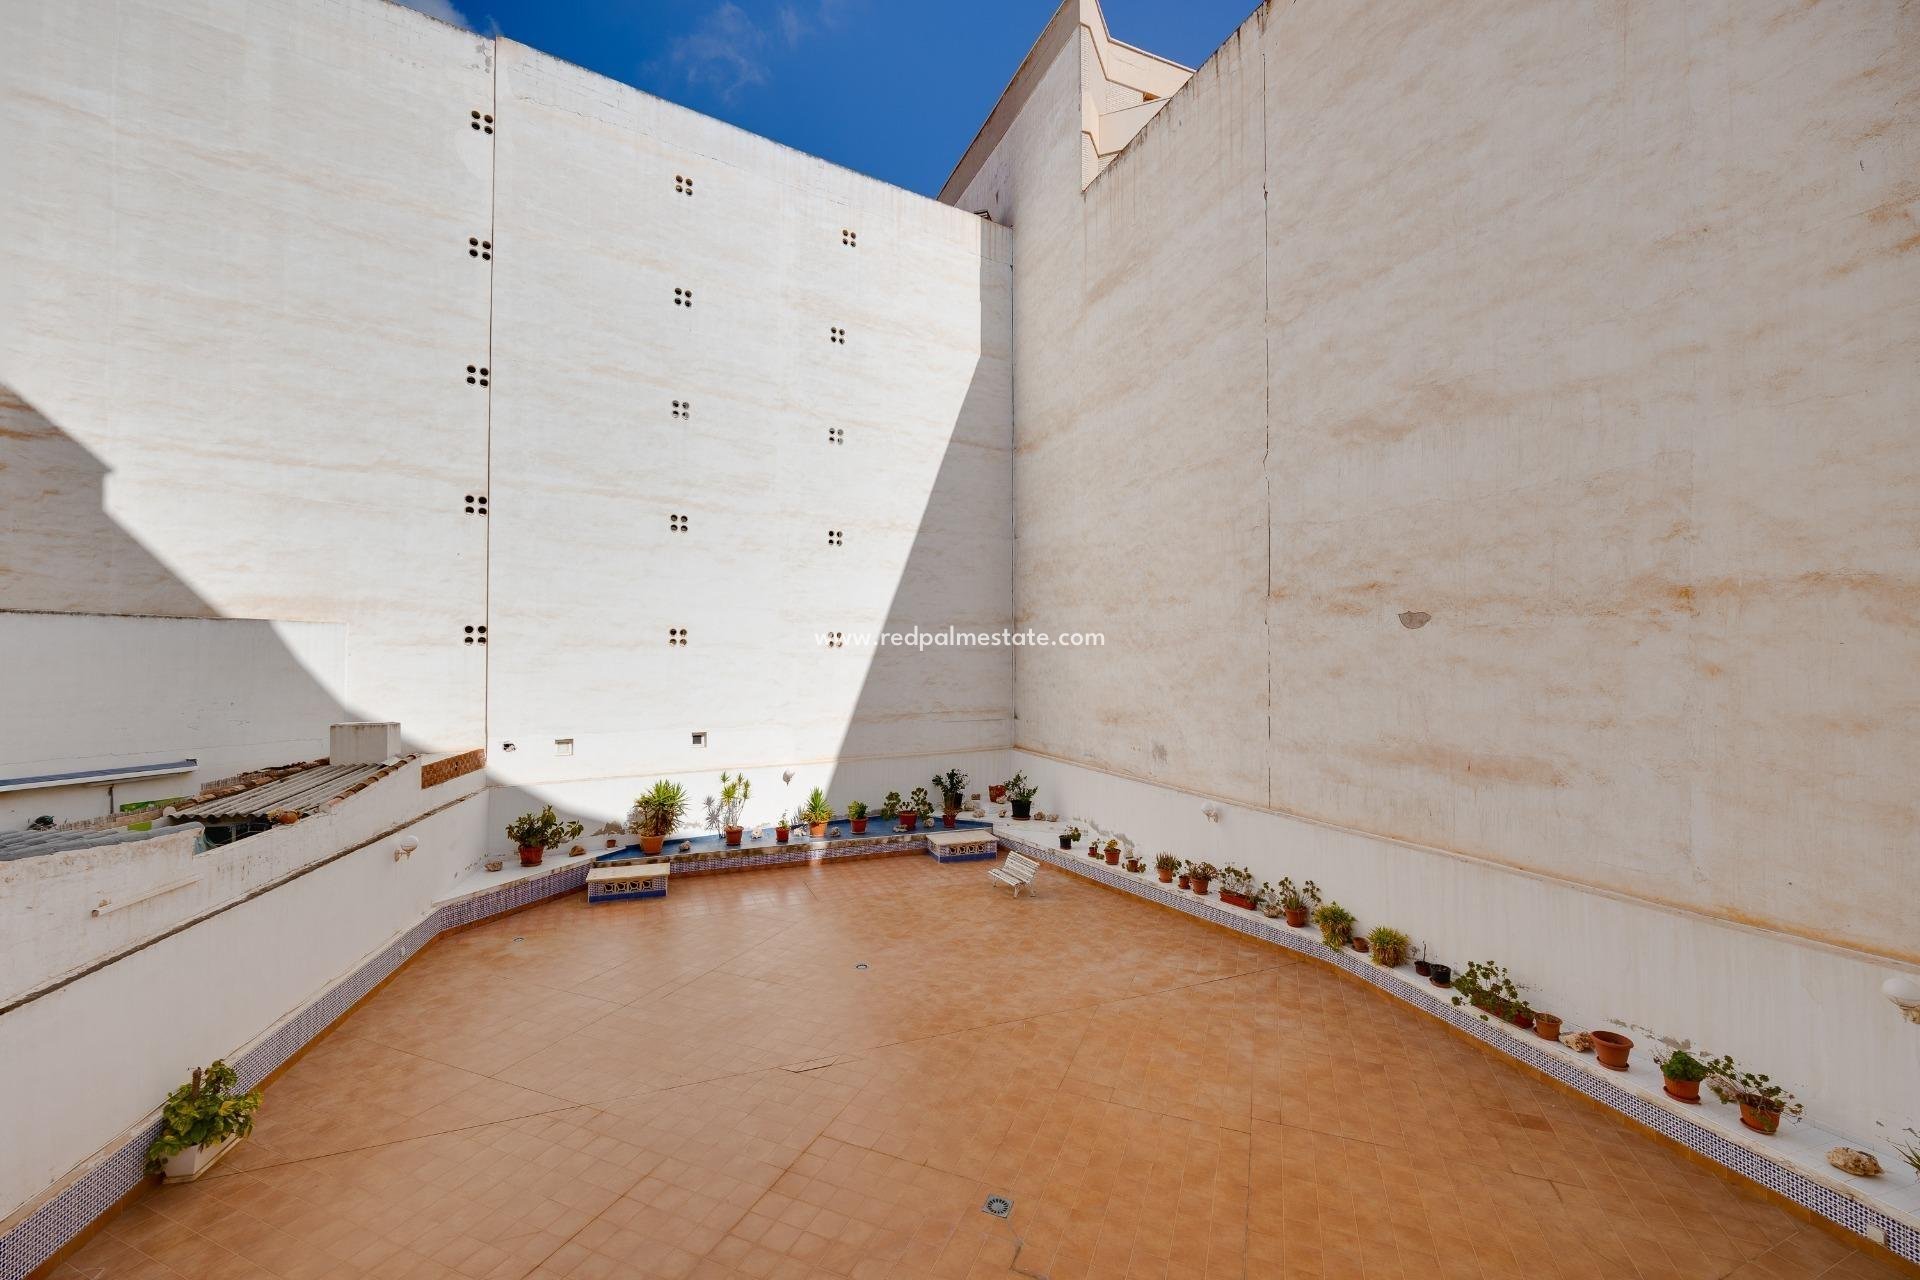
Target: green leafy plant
<point>1166,862</point>
<point>658,811</point>
<point>723,810</point>
<point>1113,846</point>
<point>542,830</point>
<point>1018,788</point>
<point>1730,1083</point>
<point>952,787</point>
<point>201,1113</point>
<point>856,809</point>
<point>1486,986</point>
<point>1074,834</point>
<point>816,809</point>
<point>1298,897</point>
<point>1236,880</point>
<point>1336,924</point>
<point>1681,1065</point>
<point>1203,871</point>
<point>922,803</point>
<point>1388,946</point>
<point>891,806</point>
<point>1134,863</point>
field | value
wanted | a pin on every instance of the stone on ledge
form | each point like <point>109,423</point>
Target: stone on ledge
<point>1578,1041</point>
<point>1861,1164</point>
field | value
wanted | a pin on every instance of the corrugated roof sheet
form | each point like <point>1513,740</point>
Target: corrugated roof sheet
<point>303,793</point>
<point>29,844</point>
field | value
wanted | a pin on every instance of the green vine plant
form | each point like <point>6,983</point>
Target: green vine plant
<point>1731,1084</point>
<point>202,1113</point>
<point>1486,986</point>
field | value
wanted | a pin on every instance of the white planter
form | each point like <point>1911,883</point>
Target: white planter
<point>195,1161</point>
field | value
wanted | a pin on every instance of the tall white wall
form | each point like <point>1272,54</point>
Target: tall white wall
<point>590,462</point>
<point>90,692</point>
<point>1579,337</point>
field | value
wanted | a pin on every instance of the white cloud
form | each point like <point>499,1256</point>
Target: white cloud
<point>727,51</point>
<point>441,9</point>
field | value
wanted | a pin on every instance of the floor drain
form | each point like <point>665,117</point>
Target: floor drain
<point>998,1206</point>
<point>859,966</point>
<point>519,939</point>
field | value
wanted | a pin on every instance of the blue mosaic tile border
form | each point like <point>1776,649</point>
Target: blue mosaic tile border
<point>43,1232</point>
<point>1861,1219</point>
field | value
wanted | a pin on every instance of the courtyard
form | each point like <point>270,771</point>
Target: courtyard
<point>830,1070</point>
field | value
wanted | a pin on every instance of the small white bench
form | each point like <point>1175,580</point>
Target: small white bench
<point>1016,872</point>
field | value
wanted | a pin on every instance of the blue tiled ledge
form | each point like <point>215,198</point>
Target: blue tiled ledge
<point>1836,1207</point>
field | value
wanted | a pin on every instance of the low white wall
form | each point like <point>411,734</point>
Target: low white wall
<point>1809,1015</point>
<point>51,898</point>
<point>103,1051</point>
<point>597,800</point>
<point>101,691</point>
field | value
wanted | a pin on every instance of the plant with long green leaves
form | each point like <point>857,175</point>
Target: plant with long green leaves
<point>952,786</point>
<point>202,1113</point>
<point>1018,788</point>
<point>1336,924</point>
<point>657,811</point>
<point>723,810</point>
<point>816,810</point>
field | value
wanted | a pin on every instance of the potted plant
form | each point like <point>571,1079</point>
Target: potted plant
<point>1762,1102</point>
<point>1489,989</point>
<point>1113,853</point>
<point>535,833</point>
<point>1420,965</point>
<point>656,813</point>
<point>1166,864</point>
<point>1268,900</point>
<point>1236,886</point>
<point>781,829</point>
<point>201,1121</point>
<point>1611,1048</point>
<point>1389,947</point>
<point>997,792</point>
<point>1186,876</point>
<point>1439,974</point>
<point>1680,1075</point>
<point>723,810</point>
<point>895,808</point>
<point>1200,875</point>
<point>922,807</point>
<point>952,787</point>
<point>1546,1025</point>
<point>1336,924</point>
<point>857,816</point>
<point>1299,903</point>
<point>1068,836</point>
<point>1020,794</point>
<point>816,813</point>
<point>1134,863</point>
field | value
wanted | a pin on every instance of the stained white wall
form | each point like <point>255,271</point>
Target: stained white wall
<point>592,237</point>
<point>1583,332</point>
<point>238,305</point>
<point>229,693</point>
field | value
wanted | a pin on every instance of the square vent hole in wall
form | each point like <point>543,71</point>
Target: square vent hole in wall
<point>699,737</point>
<point>677,636</point>
<point>837,334</point>
<point>676,524</point>
<point>683,408</point>
<point>563,746</point>
<point>682,184</point>
<point>836,537</point>
<point>836,435</point>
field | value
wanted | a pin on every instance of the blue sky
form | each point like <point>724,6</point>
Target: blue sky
<point>826,76</point>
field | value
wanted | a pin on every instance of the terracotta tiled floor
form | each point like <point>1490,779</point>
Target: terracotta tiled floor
<point>707,1087</point>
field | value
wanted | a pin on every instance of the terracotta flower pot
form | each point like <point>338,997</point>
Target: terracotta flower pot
<point>1522,1019</point>
<point>1236,899</point>
<point>859,825</point>
<point>1186,881</point>
<point>1113,857</point>
<point>1359,944</point>
<point>530,855</point>
<point>1093,850</point>
<point>1200,884</point>
<point>818,830</point>
<point>1611,1048</point>
<point>1546,1026</point>
<point>652,844</point>
<point>1759,1119</point>
<point>1297,917</point>
<point>734,834</point>
<point>950,819</point>
<point>908,821</point>
<point>781,833</point>
<point>997,792</point>
<point>612,843</point>
<point>1166,877</point>
<point>1682,1090</point>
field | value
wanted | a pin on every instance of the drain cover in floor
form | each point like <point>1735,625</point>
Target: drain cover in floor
<point>998,1206</point>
